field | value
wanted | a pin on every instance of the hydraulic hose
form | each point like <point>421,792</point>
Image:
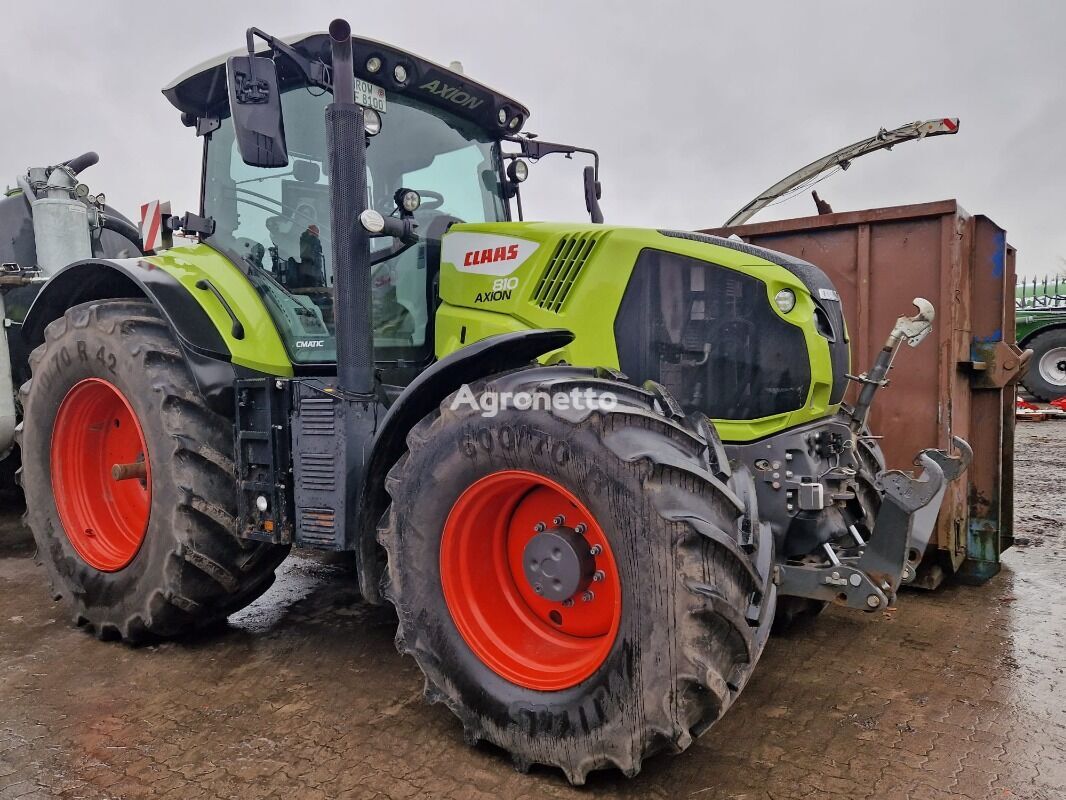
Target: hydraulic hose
<point>84,161</point>
<point>122,228</point>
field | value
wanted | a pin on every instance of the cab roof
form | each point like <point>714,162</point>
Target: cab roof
<point>201,91</point>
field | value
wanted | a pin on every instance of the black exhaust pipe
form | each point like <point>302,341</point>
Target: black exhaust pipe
<point>346,148</point>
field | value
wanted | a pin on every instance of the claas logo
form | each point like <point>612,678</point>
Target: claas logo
<point>490,255</point>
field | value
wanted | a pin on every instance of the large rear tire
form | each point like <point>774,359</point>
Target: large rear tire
<point>153,554</point>
<point>676,614</point>
<point>1046,376</point>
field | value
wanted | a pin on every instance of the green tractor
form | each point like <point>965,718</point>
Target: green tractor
<point>587,464</point>
<point>1040,313</point>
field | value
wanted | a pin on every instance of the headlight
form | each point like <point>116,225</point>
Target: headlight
<point>785,300</point>
<point>371,121</point>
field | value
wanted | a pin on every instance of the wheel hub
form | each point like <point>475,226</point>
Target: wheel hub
<point>558,563</point>
<point>1053,366</point>
<point>519,557</point>
<point>101,474</point>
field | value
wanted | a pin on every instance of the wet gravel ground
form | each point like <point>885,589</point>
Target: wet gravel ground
<point>958,693</point>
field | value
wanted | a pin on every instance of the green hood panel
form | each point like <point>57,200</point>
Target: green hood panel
<point>500,277</point>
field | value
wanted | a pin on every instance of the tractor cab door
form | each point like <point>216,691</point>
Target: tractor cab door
<point>275,222</point>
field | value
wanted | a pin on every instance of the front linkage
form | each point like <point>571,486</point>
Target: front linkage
<point>868,577</point>
<point>848,530</point>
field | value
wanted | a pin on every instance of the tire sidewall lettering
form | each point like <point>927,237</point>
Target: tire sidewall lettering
<point>512,438</point>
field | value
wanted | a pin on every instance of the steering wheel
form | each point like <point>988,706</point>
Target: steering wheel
<point>295,215</point>
<point>435,199</point>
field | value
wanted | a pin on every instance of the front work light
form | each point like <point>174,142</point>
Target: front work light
<point>518,170</point>
<point>408,200</point>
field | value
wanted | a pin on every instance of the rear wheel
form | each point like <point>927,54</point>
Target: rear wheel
<point>129,479</point>
<point>1046,377</point>
<point>582,588</point>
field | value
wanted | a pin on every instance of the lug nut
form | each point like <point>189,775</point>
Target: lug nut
<point>587,596</point>
<point>559,520</point>
<point>538,588</point>
<point>595,550</point>
<point>568,602</point>
<point>598,576</point>
<point>873,601</point>
<point>539,527</point>
<point>580,528</point>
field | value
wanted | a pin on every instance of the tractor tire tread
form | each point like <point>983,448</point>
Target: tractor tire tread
<point>205,572</point>
<point>706,678</point>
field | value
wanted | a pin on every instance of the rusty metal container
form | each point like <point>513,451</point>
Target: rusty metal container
<point>960,381</point>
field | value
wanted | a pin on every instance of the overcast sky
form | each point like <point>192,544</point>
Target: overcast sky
<point>695,106</point>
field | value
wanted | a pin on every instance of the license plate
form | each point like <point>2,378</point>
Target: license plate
<point>369,95</point>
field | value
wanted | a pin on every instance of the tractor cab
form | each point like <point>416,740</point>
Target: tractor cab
<point>434,155</point>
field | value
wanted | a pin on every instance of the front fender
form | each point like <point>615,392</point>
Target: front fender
<point>425,393</point>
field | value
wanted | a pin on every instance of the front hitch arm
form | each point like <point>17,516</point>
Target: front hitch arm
<point>903,527</point>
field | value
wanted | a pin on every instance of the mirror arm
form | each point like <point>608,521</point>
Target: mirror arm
<point>315,72</point>
<point>535,149</point>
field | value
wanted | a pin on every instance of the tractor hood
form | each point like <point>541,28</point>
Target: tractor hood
<point>201,91</point>
<point>695,313</point>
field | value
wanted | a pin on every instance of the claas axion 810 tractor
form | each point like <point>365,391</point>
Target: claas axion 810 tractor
<point>354,355</point>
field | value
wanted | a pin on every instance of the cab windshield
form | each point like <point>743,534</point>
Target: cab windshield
<point>277,221</point>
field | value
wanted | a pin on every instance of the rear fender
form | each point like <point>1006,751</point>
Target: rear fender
<point>206,351</point>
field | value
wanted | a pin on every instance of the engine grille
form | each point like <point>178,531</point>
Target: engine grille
<point>710,336</point>
<point>563,269</point>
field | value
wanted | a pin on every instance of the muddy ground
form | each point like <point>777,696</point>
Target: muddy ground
<point>959,693</point>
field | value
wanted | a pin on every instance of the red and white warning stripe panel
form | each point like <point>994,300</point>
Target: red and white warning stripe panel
<point>154,235</point>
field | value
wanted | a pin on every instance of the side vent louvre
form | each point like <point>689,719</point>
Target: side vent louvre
<point>563,269</point>
<point>318,527</point>
<point>318,417</point>
<point>319,466</point>
<point>317,471</point>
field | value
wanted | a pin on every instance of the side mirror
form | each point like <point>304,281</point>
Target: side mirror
<point>592,196</point>
<point>255,105</point>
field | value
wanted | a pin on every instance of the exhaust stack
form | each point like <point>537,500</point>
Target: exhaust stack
<point>346,149</point>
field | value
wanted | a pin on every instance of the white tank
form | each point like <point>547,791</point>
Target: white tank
<point>61,231</point>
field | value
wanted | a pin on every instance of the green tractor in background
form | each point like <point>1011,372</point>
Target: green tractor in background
<point>587,464</point>
<point>1040,311</point>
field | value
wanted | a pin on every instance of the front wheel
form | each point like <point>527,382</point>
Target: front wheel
<point>581,588</point>
<point>129,479</point>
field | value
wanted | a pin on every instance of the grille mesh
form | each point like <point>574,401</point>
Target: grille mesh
<point>563,269</point>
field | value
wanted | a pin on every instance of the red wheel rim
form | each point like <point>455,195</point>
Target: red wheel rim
<point>524,637</point>
<point>104,515</point>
